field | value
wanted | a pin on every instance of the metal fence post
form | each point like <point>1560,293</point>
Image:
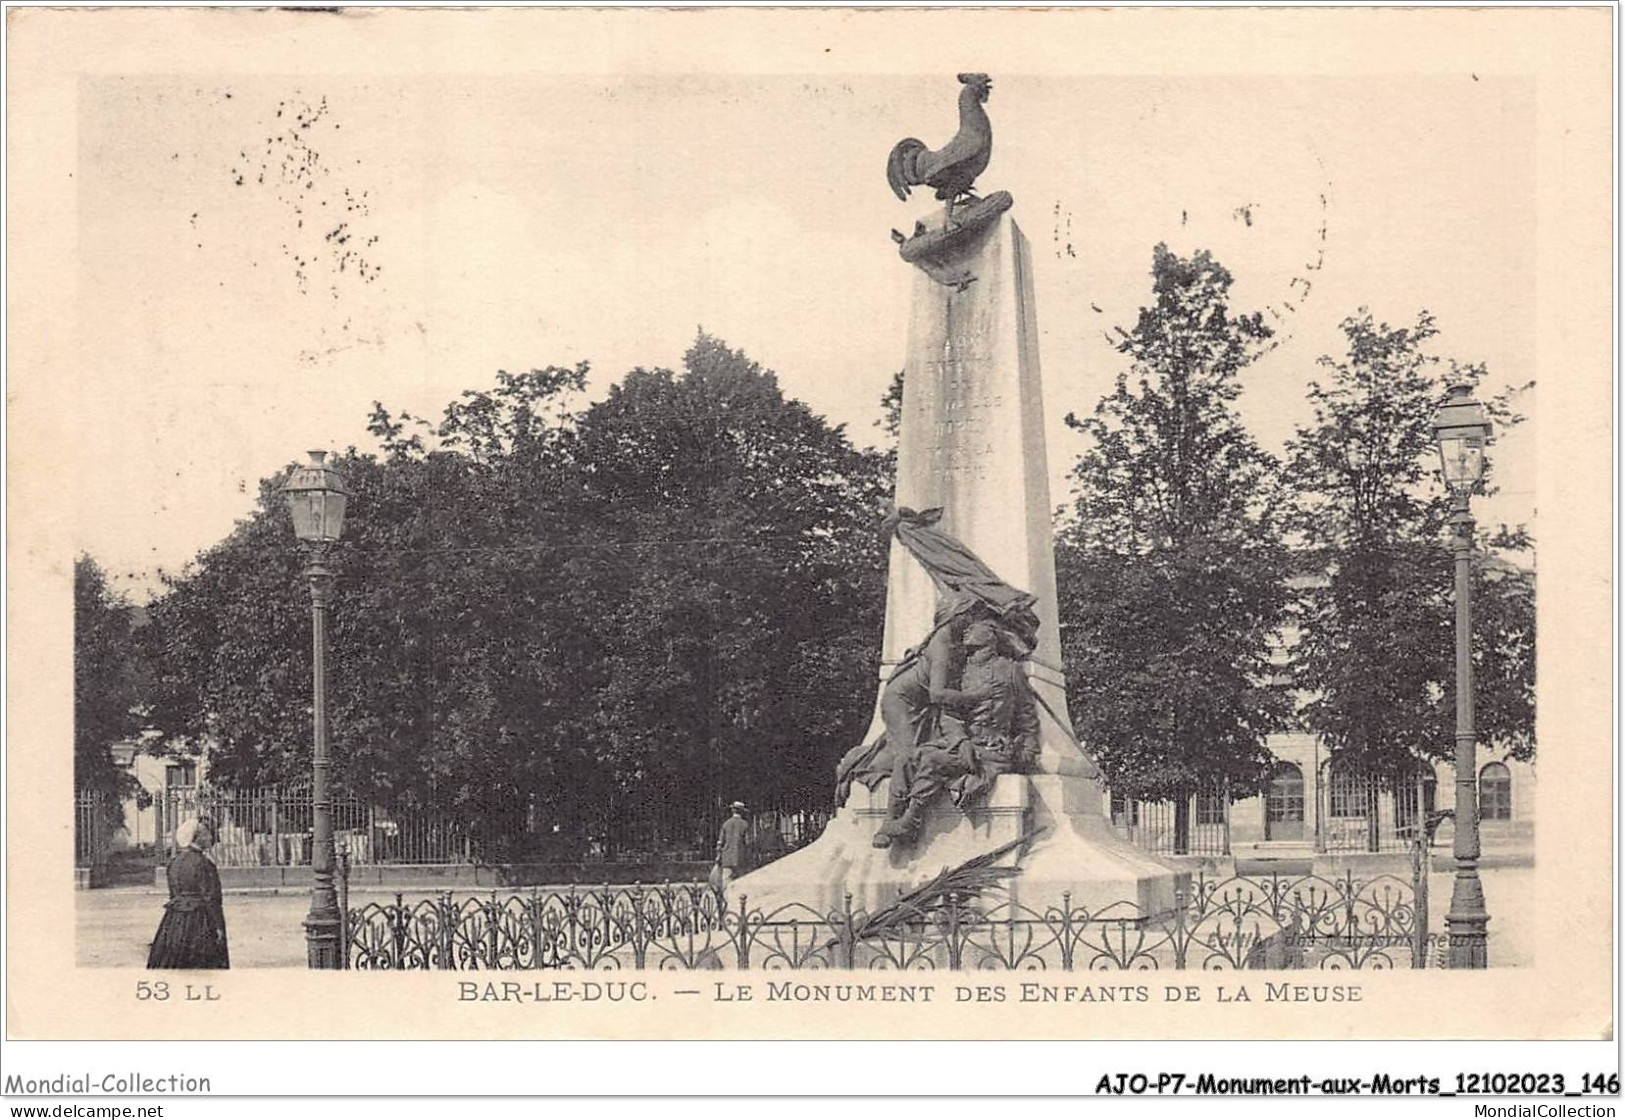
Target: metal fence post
<point>1419,892</point>
<point>533,919</point>
<point>344,906</point>
<point>160,806</point>
<point>397,928</point>
<point>744,935</point>
<point>1321,803</point>
<point>848,934</point>
<point>491,950</point>
<point>276,827</point>
<point>448,929</point>
<point>1181,944</point>
<point>640,932</point>
<point>1067,947</point>
<point>1350,925</point>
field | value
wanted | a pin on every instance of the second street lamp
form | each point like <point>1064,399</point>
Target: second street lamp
<point>316,499</point>
<point>1462,429</point>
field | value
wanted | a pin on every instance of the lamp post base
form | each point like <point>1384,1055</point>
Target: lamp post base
<point>322,941</point>
<point>1468,921</point>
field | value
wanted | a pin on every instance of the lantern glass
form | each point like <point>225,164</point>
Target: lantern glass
<point>1462,428</point>
<point>316,500</point>
<point>1461,455</point>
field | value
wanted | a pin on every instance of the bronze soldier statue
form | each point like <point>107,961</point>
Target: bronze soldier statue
<point>989,727</point>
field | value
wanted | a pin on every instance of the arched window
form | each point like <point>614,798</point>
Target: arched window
<point>1283,804</point>
<point>1495,793</point>
<point>1414,799</point>
<point>1352,794</point>
<point>1352,821</point>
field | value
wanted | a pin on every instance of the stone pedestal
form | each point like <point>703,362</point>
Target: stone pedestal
<point>1076,856</point>
<point>1079,856</point>
<point>972,443</point>
<point>845,861</point>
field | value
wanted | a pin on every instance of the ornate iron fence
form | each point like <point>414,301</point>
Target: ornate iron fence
<point>1154,825</point>
<point>1234,923</point>
<point>1359,812</point>
<point>647,828</point>
<point>775,831</point>
<point>93,820</point>
<point>272,827</point>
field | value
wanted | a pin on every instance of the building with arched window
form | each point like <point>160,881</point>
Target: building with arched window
<point>1349,812</point>
<point>1312,806</point>
<point>1284,814</point>
<point>1495,792</point>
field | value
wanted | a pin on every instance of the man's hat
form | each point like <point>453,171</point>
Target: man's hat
<point>737,805</point>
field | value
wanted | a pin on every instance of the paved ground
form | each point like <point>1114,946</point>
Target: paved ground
<point>1509,894</point>
<point>115,925</point>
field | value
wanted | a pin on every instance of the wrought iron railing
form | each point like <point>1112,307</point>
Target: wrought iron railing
<point>1353,812</point>
<point>92,828</point>
<point>1155,825</point>
<point>1233,923</point>
<point>271,826</point>
<point>648,829</point>
<point>1360,812</point>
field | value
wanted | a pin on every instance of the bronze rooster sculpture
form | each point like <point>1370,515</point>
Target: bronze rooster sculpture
<point>953,168</point>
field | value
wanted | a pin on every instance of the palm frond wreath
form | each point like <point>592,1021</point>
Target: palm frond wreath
<point>953,888</point>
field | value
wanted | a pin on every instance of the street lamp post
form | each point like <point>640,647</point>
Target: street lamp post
<point>316,498</point>
<point>1462,429</point>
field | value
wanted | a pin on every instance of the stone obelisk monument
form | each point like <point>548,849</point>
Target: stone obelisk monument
<point>971,444</point>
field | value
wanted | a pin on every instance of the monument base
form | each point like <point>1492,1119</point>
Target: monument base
<point>1076,858</point>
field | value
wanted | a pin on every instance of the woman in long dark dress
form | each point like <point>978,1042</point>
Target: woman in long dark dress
<point>193,931</point>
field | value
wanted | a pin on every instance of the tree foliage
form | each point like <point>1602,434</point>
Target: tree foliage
<point>669,597</point>
<point>740,614</point>
<point>108,678</point>
<point>1172,571</point>
<point>891,409</point>
<point>1376,645</point>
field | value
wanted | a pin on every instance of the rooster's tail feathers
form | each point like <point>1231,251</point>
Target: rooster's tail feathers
<point>900,171</point>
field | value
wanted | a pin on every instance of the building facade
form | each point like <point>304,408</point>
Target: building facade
<point>141,824</point>
<point>1313,808</point>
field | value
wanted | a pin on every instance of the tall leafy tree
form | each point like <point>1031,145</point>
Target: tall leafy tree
<point>738,584</point>
<point>446,633</point>
<point>664,598</point>
<point>1172,570</point>
<point>108,678</point>
<point>1375,653</point>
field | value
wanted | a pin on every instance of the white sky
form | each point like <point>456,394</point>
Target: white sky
<point>523,222</point>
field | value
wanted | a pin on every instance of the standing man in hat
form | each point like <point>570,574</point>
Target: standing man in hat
<point>731,846</point>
